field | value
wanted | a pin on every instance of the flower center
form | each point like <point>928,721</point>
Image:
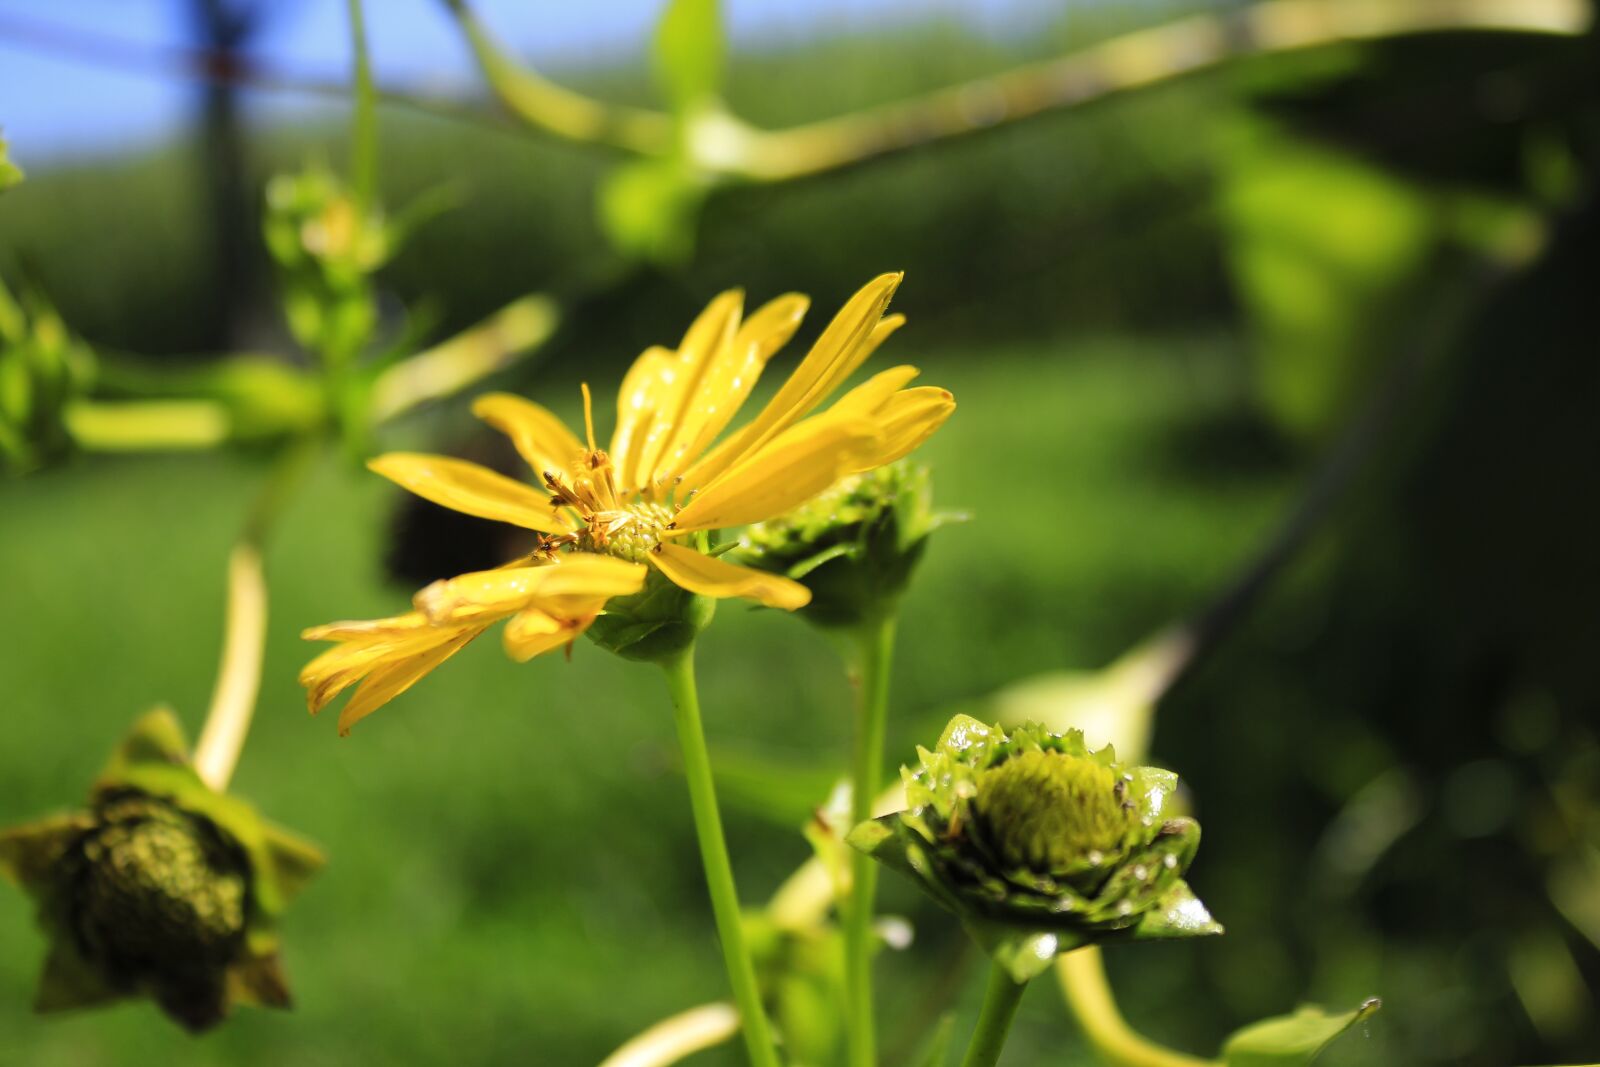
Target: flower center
<point>1054,813</point>
<point>629,532</point>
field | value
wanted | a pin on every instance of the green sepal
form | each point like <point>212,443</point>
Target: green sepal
<point>29,853</point>
<point>654,625</point>
<point>1291,1040</point>
<point>68,981</point>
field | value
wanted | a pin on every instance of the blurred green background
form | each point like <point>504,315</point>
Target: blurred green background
<point>1363,273</point>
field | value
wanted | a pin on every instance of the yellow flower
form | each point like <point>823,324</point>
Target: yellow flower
<point>605,516</point>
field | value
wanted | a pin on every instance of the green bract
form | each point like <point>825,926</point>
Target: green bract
<point>1041,846</point>
<point>162,888</point>
<point>854,547</point>
<point>655,624</point>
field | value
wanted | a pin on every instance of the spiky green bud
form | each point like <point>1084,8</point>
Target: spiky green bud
<point>1040,845</point>
<point>162,888</point>
<point>855,546</point>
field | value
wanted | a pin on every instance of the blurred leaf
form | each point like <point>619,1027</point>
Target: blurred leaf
<point>779,791</point>
<point>690,52</point>
<point>649,209</point>
<point>1324,250</point>
<point>10,173</point>
<point>937,1050</point>
<point>1291,1040</point>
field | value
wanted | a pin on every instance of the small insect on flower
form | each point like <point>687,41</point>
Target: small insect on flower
<point>1041,846</point>
<point>635,518</point>
<point>162,888</point>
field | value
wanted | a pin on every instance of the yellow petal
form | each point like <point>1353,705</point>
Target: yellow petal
<point>484,595</point>
<point>368,648</point>
<point>728,381</point>
<point>487,595</point>
<point>535,632</point>
<point>708,576</point>
<point>704,345</point>
<point>852,335</point>
<point>539,436</point>
<point>799,464</point>
<point>354,628</point>
<point>471,489</point>
<point>907,419</point>
<point>388,682</point>
<point>870,395</point>
<point>646,389</point>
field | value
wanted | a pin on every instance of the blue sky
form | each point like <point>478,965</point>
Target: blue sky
<point>53,105</point>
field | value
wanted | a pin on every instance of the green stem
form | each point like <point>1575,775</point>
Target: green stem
<point>714,854</point>
<point>994,1021</point>
<point>875,643</point>
<point>364,122</point>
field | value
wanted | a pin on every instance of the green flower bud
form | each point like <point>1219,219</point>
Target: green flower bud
<point>855,546</point>
<point>162,888</point>
<point>326,250</point>
<point>43,368</point>
<point>1041,846</point>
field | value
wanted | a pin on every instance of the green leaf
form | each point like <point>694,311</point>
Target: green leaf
<point>690,52</point>
<point>649,209</point>
<point>1291,1040</point>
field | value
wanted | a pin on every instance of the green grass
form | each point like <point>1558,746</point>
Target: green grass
<point>513,874</point>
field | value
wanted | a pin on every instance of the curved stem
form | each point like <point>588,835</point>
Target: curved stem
<point>714,854</point>
<point>364,121</point>
<point>994,1021</point>
<point>681,1036</point>
<point>875,644</point>
<point>543,104</point>
<point>1130,61</point>
<point>233,700</point>
<point>1083,982</point>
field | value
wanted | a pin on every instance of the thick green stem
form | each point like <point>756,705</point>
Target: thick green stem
<point>714,854</point>
<point>875,642</point>
<point>994,1021</point>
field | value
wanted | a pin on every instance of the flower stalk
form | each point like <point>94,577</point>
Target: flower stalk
<point>679,672</point>
<point>233,700</point>
<point>1000,1004</point>
<point>875,643</point>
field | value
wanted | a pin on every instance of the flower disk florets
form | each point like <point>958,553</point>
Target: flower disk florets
<point>1040,845</point>
<point>1054,813</point>
<point>153,883</point>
